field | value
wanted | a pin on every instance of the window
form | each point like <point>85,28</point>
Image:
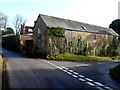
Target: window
<point>83,27</point>
<point>106,36</point>
<point>102,35</point>
<point>39,31</point>
<point>30,30</point>
<point>69,33</point>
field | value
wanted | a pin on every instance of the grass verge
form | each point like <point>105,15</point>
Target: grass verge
<point>72,57</point>
<point>115,73</point>
<point>115,57</point>
<point>1,65</point>
<point>1,62</point>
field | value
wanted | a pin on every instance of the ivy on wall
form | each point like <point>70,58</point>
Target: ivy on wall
<point>57,31</point>
<point>60,43</point>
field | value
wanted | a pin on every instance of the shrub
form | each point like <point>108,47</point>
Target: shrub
<point>73,57</point>
<point>115,57</point>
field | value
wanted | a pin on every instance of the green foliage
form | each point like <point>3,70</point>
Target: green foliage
<point>113,48</point>
<point>85,49</point>
<point>74,45</point>
<point>8,30</point>
<point>103,50</point>
<point>57,31</point>
<point>115,73</point>
<point>59,44</point>
<point>73,57</point>
<point>115,57</point>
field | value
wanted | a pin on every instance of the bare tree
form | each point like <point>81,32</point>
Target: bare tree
<point>3,21</point>
<point>17,23</point>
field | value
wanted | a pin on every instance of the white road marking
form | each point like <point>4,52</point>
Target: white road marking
<point>98,83</point>
<point>100,88</point>
<point>89,79</point>
<point>91,84</point>
<point>58,67</point>
<point>100,63</point>
<point>74,76</point>
<point>65,70</point>
<point>76,73</point>
<point>61,68</point>
<point>69,73</point>
<point>64,67</point>
<point>108,88</point>
<point>71,70</point>
<point>81,65</point>
<point>83,78</point>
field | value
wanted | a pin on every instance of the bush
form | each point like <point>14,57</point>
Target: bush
<point>73,57</point>
<point>115,73</point>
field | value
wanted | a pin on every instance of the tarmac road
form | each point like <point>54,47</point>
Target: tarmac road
<point>24,72</point>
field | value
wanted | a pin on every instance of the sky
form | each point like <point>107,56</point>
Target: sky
<point>96,12</point>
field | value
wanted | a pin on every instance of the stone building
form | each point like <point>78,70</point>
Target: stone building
<point>89,33</point>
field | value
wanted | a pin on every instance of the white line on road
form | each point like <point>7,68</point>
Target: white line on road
<point>75,76</point>
<point>65,70</point>
<point>80,77</point>
<point>108,88</point>
<point>89,79</point>
<point>100,88</point>
<point>97,83</point>
<point>71,70</point>
<point>64,67</point>
<point>76,73</point>
<point>69,73</point>
<point>91,84</point>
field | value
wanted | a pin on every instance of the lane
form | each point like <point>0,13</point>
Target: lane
<point>11,54</point>
<point>33,73</point>
<point>30,73</point>
<point>25,72</point>
<point>97,71</point>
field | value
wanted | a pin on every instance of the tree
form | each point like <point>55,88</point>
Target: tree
<point>8,30</point>
<point>113,48</point>
<point>115,25</point>
<point>17,23</point>
<point>3,21</point>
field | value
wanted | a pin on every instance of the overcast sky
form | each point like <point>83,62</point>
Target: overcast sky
<point>96,12</point>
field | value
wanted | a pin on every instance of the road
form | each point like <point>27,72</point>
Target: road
<point>25,72</point>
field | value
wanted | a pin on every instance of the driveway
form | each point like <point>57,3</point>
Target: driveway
<point>24,72</point>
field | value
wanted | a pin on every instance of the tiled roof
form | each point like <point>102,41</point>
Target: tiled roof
<point>51,21</point>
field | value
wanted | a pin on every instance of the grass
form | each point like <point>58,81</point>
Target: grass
<point>1,62</point>
<point>115,73</point>
<point>115,57</point>
<point>73,57</point>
